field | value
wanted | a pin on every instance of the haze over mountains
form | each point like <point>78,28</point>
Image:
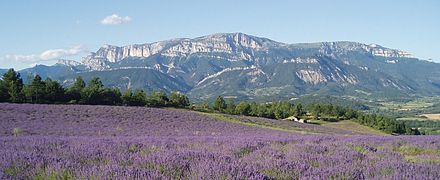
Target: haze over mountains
<point>249,67</point>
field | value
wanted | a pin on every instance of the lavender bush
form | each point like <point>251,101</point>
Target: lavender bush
<point>106,142</point>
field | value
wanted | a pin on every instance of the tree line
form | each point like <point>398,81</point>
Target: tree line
<point>12,89</point>
<point>429,127</point>
<point>325,112</point>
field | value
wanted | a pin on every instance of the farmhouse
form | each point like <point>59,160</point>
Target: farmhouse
<point>293,118</point>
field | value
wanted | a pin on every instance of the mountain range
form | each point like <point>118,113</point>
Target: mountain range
<point>242,66</point>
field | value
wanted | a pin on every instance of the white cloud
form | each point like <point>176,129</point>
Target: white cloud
<point>115,19</point>
<point>21,58</point>
<point>47,55</point>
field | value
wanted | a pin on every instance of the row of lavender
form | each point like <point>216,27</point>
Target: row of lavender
<point>88,120</point>
<point>107,142</point>
<point>207,157</point>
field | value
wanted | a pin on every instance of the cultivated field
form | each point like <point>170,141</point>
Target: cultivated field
<point>432,116</point>
<point>108,142</point>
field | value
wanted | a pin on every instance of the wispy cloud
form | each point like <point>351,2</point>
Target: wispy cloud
<point>115,19</point>
<point>47,55</point>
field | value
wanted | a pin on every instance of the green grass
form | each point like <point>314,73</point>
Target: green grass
<point>281,174</point>
<point>411,118</point>
<point>254,123</point>
<point>422,117</point>
<point>360,149</point>
<point>244,151</point>
<point>353,126</point>
<point>54,175</point>
<point>417,104</point>
<point>422,160</point>
<point>431,116</point>
<point>415,154</point>
<point>278,126</point>
<point>413,104</point>
<point>317,122</point>
<point>415,151</point>
<point>285,127</point>
<point>410,150</point>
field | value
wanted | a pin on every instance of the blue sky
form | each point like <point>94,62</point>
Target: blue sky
<point>39,32</point>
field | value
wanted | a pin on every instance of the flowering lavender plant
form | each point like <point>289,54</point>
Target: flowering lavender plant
<point>107,142</point>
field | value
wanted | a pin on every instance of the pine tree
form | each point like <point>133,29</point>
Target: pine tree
<point>179,100</point>
<point>205,106</point>
<point>36,91</point>
<point>92,94</point>
<point>299,110</point>
<point>243,108</point>
<point>127,97</point>
<point>74,92</point>
<point>219,104</point>
<point>4,95</point>
<point>55,93</point>
<point>79,83</point>
<point>139,98</point>
<point>13,83</point>
<point>158,99</point>
<point>230,107</point>
<point>110,96</point>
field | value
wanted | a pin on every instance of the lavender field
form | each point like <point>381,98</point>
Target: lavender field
<point>109,142</point>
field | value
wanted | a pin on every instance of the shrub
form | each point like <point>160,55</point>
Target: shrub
<point>16,132</point>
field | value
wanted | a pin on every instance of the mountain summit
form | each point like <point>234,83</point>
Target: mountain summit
<point>237,44</point>
<point>233,44</point>
<point>249,67</point>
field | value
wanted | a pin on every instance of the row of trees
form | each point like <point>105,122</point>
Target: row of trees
<point>384,123</point>
<point>326,112</point>
<point>49,91</point>
<point>280,109</point>
<point>274,110</point>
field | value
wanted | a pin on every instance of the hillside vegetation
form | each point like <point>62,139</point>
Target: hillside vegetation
<point>253,68</point>
<point>13,89</point>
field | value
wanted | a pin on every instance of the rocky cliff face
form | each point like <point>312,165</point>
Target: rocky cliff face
<point>233,44</point>
<point>241,65</point>
<point>238,46</point>
<point>332,48</point>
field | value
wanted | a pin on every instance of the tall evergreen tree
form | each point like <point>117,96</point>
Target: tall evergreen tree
<point>73,93</point>
<point>261,110</point>
<point>95,83</point>
<point>219,104</point>
<point>36,91</point>
<point>243,108</point>
<point>127,97</point>
<point>350,114</point>
<point>230,107</point>
<point>79,83</point>
<point>205,106</point>
<point>4,95</point>
<point>138,98</point>
<point>158,99</point>
<point>254,109</point>
<point>299,110</point>
<point>179,100</point>
<point>14,86</point>
<point>92,94</point>
<point>55,93</point>
<point>109,96</point>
